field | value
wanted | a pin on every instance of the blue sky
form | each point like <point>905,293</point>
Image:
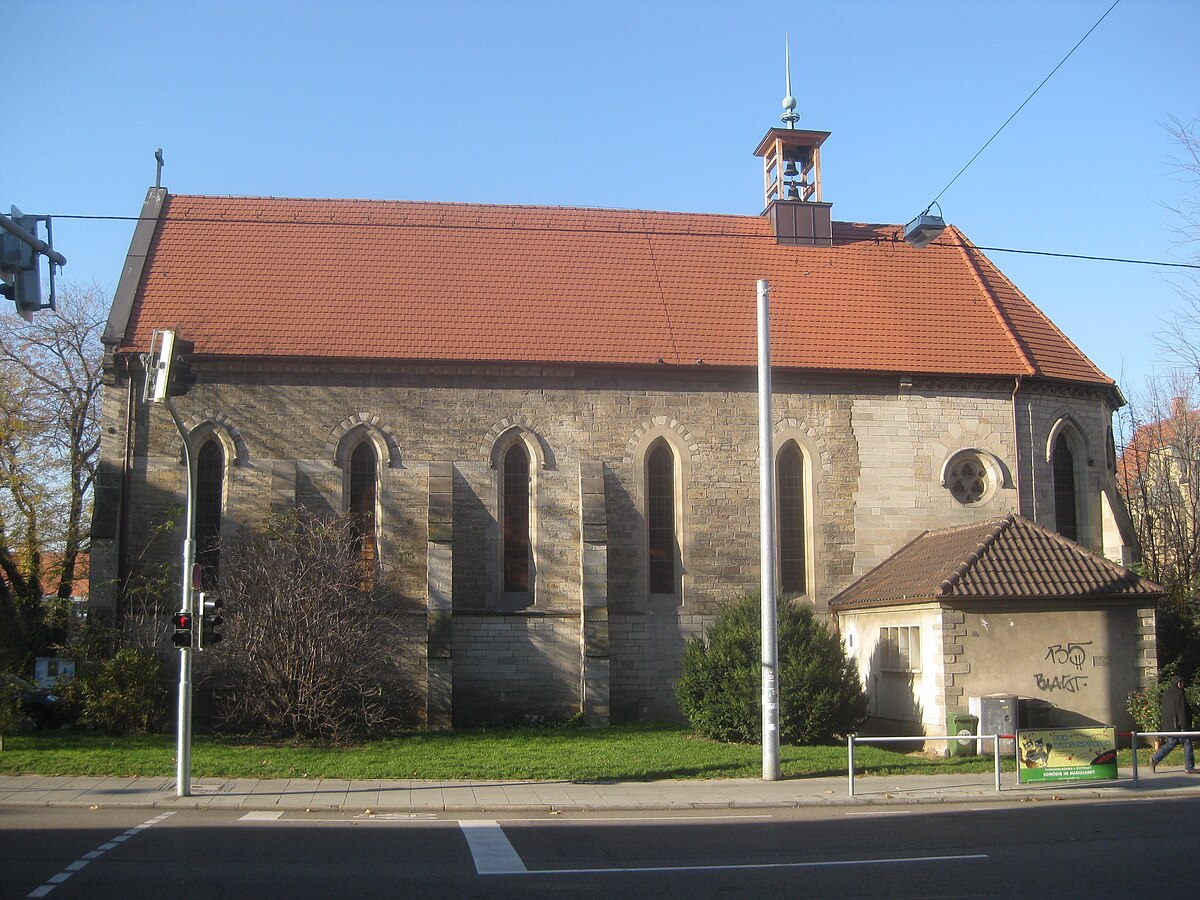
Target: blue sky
<point>651,105</point>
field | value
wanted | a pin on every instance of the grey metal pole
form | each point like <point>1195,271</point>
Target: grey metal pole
<point>183,725</point>
<point>850,763</point>
<point>766,524</point>
<point>32,241</point>
<point>996,754</point>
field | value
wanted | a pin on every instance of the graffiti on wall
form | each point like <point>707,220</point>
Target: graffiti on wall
<point>1072,653</point>
<point>1072,684</point>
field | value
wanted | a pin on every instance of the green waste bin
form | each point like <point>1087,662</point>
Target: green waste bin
<point>964,725</point>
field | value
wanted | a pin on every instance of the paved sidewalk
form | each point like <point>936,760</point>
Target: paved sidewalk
<point>412,796</point>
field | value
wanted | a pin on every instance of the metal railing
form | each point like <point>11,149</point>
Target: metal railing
<point>1133,742</point>
<point>994,738</point>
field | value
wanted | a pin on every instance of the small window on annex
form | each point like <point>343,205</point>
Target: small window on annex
<point>515,498</point>
<point>362,502</point>
<point>1066,511</point>
<point>789,511</point>
<point>210,483</point>
<point>900,648</point>
<point>660,518</point>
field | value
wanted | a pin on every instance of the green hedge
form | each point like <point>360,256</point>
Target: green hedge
<point>720,690</point>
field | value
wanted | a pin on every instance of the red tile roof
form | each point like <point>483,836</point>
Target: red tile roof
<point>1179,433</point>
<point>1010,558</point>
<point>50,570</point>
<point>376,280</point>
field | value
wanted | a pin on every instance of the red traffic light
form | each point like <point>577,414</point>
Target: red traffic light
<point>183,629</point>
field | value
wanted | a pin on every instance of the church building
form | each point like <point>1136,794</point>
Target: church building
<point>545,418</point>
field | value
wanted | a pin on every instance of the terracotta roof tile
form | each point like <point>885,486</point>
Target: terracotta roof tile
<point>464,282</point>
<point>1007,558</point>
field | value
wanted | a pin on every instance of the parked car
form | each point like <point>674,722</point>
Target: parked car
<point>39,704</point>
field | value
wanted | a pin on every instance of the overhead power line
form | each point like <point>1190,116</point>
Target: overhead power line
<point>1022,106</point>
<point>653,232</point>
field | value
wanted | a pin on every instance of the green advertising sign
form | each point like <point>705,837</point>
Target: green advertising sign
<point>1066,754</point>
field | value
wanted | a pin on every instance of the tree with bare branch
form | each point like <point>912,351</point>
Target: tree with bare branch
<point>50,382</point>
<point>1159,470</point>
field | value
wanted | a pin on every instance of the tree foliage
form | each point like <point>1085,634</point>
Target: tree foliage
<point>50,382</point>
<point>1158,473</point>
<point>720,690</point>
<point>307,653</point>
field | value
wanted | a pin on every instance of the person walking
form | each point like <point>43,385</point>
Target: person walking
<point>1176,716</point>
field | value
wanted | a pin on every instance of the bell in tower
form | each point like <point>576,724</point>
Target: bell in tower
<point>792,178</point>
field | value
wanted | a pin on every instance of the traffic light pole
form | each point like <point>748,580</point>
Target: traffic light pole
<point>183,730</point>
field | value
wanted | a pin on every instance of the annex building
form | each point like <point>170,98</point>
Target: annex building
<point>545,419</point>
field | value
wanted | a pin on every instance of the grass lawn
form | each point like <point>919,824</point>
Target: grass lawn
<point>631,752</point>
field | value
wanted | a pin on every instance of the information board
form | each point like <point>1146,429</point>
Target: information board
<point>1066,754</point>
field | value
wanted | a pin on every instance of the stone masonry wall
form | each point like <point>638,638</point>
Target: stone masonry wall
<point>876,447</point>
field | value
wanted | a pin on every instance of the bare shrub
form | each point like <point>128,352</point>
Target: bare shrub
<point>307,653</point>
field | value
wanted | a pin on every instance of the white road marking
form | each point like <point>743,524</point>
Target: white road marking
<point>357,820</point>
<point>68,871</point>
<point>492,852</point>
<point>494,855</point>
<point>714,868</point>
<point>593,819</point>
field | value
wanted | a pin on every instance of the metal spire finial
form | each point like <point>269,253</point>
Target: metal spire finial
<point>790,116</point>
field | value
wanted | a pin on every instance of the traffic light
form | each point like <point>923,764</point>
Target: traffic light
<point>168,366</point>
<point>210,621</point>
<point>183,630</point>
<point>20,265</point>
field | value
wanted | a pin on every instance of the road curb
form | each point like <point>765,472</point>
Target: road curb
<point>891,797</point>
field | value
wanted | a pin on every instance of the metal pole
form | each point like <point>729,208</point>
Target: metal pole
<point>996,754</point>
<point>183,725</point>
<point>31,240</point>
<point>766,483</point>
<point>1133,742</point>
<point>850,762</point>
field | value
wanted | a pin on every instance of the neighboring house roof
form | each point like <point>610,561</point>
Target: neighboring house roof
<point>457,282</point>
<point>1010,558</point>
<point>1178,433</point>
<point>51,569</point>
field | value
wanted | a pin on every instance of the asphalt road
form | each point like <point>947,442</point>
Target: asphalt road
<point>1066,849</point>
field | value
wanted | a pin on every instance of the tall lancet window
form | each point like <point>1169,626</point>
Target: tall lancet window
<point>363,469</point>
<point>210,484</point>
<point>1066,512</point>
<point>789,511</point>
<point>515,517</point>
<point>660,518</point>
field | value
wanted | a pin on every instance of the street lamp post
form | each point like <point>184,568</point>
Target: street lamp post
<point>766,524</point>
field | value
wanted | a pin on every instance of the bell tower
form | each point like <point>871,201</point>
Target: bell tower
<point>792,178</point>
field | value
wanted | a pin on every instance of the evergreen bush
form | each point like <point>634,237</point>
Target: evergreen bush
<point>122,695</point>
<point>12,718</point>
<point>720,690</point>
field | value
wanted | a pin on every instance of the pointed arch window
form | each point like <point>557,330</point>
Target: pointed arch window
<point>1066,514</point>
<point>790,516</point>
<point>516,521</point>
<point>660,518</point>
<point>362,505</point>
<point>210,484</point>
